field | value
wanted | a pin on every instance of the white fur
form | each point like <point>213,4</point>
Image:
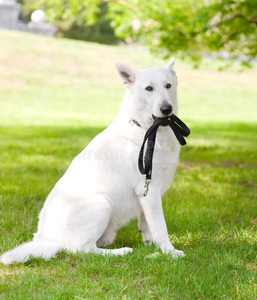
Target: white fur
<point>103,189</point>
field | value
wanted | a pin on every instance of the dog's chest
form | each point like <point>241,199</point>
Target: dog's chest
<point>166,149</point>
<point>165,160</point>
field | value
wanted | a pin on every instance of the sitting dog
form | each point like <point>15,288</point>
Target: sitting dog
<point>103,189</point>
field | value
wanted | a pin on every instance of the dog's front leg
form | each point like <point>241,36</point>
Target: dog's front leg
<point>152,209</point>
<point>145,230</point>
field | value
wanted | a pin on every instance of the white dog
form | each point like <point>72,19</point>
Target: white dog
<point>102,189</point>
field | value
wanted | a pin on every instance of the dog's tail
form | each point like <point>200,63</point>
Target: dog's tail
<point>24,252</point>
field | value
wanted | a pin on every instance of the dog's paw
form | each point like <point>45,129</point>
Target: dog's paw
<point>7,258</point>
<point>177,253</point>
<point>122,251</point>
<point>173,252</point>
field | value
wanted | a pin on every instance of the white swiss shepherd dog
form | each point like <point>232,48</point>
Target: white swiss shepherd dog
<point>103,189</point>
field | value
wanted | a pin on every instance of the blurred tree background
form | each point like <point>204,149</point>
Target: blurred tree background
<point>81,20</point>
<point>186,28</point>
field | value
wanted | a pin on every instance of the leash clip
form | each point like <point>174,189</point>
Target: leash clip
<point>147,182</point>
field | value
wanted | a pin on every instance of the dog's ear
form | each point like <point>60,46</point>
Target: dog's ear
<point>126,74</point>
<point>170,64</point>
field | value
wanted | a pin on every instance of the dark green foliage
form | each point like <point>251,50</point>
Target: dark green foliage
<point>227,28</point>
<point>77,28</point>
<point>75,22</point>
<point>190,28</point>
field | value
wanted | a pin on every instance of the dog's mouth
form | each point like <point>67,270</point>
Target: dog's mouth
<point>158,118</point>
<point>164,118</point>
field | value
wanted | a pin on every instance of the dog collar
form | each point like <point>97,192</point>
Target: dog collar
<point>132,121</point>
<point>145,162</point>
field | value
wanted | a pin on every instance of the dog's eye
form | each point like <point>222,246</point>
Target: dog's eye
<point>168,86</point>
<point>149,88</point>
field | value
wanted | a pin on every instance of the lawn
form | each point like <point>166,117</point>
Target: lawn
<point>55,96</point>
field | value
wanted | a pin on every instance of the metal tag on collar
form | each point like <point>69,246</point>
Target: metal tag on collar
<point>147,182</point>
<point>131,122</point>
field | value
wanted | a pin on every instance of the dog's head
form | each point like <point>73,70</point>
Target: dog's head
<point>149,92</point>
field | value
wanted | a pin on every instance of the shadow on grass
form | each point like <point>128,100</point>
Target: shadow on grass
<point>228,144</point>
<point>32,159</point>
<point>235,142</point>
<point>45,139</point>
<point>40,151</point>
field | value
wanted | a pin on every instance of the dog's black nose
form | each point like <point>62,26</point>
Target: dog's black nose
<point>166,109</point>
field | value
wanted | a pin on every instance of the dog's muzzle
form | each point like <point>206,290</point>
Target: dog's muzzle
<point>164,118</point>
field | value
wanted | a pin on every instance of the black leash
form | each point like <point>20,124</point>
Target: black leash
<point>145,163</point>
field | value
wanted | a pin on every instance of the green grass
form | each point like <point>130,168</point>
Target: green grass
<point>55,96</point>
